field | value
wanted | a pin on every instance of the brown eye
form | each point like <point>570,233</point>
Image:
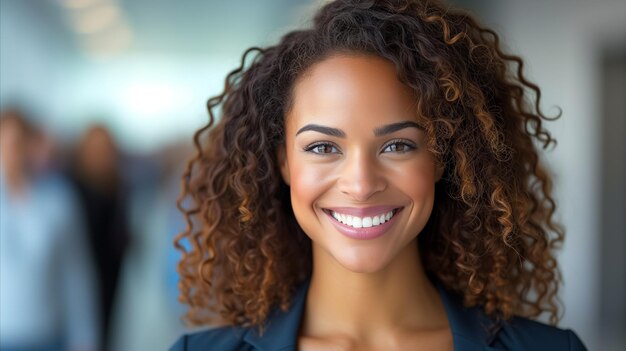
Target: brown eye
<point>322,149</point>
<point>399,147</point>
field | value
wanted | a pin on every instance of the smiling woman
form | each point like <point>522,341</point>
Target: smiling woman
<point>358,154</point>
<point>373,183</point>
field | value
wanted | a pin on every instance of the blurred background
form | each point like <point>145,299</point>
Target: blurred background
<point>99,100</point>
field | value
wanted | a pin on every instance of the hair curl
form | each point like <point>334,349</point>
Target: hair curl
<point>491,234</point>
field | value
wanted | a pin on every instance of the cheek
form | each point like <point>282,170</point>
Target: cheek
<point>308,182</point>
<point>417,183</point>
<point>417,180</point>
<point>422,185</point>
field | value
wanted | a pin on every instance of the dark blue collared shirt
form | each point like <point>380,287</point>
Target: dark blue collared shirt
<point>472,330</point>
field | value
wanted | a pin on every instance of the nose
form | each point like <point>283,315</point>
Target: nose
<point>361,177</point>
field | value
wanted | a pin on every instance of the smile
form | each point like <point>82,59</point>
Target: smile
<point>363,223</point>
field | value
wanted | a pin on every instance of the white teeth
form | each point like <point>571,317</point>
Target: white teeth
<point>365,222</point>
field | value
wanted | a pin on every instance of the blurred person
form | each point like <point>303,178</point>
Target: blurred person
<point>95,172</point>
<point>45,155</point>
<point>155,220</point>
<point>47,287</point>
<point>373,182</point>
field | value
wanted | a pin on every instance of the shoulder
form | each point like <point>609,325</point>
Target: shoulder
<point>222,338</point>
<point>525,334</point>
<point>471,326</point>
<point>279,332</point>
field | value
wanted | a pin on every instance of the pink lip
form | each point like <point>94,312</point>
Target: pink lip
<point>364,212</point>
<point>363,233</point>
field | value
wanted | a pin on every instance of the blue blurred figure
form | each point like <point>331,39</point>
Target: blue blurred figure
<point>47,292</point>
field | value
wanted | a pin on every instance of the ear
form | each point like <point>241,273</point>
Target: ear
<point>283,164</point>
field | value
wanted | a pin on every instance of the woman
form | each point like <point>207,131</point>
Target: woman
<point>373,183</point>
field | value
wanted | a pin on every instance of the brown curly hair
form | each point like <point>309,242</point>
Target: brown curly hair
<point>491,235</point>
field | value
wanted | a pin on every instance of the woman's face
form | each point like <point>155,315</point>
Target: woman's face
<point>354,156</point>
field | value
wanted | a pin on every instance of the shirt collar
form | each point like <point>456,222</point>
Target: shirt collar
<point>281,328</point>
<point>472,330</point>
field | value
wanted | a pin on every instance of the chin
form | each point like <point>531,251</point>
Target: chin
<point>362,263</point>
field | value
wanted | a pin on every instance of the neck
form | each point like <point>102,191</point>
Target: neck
<point>377,305</point>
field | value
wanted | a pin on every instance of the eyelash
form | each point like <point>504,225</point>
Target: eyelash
<point>409,145</point>
<point>406,143</point>
<point>311,147</point>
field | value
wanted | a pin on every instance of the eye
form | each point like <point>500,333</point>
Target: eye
<point>322,148</point>
<point>399,146</point>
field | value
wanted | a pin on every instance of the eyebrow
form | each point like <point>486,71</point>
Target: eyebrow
<point>394,127</point>
<point>384,130</point>
<point>322,129</point>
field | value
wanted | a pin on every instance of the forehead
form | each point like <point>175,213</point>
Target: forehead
<point>351,88</point>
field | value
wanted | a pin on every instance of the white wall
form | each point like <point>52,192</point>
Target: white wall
<point>35,55</point>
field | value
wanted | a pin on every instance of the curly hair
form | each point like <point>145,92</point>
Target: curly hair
<point>491,236</point>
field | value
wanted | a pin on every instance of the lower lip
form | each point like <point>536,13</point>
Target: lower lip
<point>363,233</point>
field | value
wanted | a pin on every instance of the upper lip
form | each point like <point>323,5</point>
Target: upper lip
<point>363,211</point>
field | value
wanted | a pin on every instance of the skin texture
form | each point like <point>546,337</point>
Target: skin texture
<point>358,94</point>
